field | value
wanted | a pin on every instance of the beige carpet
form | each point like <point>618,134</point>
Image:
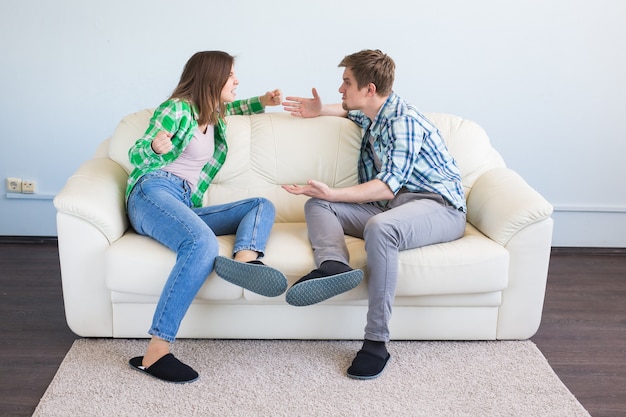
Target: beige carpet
<point>307,378</point>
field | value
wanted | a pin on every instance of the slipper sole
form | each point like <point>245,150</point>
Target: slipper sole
<point>260,279</point>
<point>316,290</point>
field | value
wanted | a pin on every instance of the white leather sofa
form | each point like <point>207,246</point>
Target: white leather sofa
<point>490,284</point>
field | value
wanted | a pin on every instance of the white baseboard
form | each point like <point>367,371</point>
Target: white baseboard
<point>580,226</point>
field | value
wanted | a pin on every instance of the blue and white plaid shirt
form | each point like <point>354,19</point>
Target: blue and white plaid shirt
<point>402,148</point>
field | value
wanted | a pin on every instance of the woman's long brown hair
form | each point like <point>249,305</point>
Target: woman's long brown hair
<point>201,83</point>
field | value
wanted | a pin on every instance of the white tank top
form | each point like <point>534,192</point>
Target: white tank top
<point>197,153</point>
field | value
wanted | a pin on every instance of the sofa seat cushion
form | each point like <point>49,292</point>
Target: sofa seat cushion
<point>471,265</point>
<point>140,265</point>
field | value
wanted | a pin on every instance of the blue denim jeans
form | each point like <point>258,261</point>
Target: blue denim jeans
<point>160,206</point>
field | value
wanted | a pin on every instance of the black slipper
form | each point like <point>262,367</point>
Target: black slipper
<point>168,368</point>
<point>367,365</point>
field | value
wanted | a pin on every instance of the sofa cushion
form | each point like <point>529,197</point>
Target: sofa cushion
<point>469,145</point>
<point>259,167</point>
<point>128,130</point>
<point>470,265</point>
<point>138,264</point>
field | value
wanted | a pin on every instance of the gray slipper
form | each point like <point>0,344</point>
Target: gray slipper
<point>309,290</point>
<point>256,277</point>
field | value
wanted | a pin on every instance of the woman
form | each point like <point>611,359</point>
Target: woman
<point>174,162</point>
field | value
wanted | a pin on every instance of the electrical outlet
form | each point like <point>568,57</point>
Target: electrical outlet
<point>14,185</point>
<point>28,187</point>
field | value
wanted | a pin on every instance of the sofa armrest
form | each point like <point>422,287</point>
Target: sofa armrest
<point>501,204</point>
<point>96,194</point>
<point>510,212</point>
<point>91,214</point>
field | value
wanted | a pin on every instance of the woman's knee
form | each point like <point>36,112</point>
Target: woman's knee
<point>202,243</point>
<point>267,207</point>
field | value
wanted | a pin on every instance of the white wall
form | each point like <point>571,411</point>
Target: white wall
<point>545,78</point>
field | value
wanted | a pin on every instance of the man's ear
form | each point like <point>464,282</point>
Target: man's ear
<point>371,89</point>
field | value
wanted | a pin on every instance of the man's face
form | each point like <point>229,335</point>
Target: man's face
<point>351,97</point>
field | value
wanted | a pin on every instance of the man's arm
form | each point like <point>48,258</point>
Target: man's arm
<point>374,190</point>
<point>312,107</point>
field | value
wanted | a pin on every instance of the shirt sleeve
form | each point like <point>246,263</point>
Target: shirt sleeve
<point>251,105</point>
<point>404,141</point>
<point>172,117</point>
<point>359,118</point>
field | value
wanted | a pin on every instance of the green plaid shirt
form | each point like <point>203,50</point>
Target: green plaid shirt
<point>178,117</point>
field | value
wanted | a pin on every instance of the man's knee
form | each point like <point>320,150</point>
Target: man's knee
<point>378,226</point>
<point>315,204</point>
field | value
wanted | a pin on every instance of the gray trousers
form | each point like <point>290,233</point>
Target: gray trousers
<point>410,220</point>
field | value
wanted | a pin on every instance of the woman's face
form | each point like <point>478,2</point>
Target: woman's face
<point>228,91</point>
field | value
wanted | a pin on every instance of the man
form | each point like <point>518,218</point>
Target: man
<point>409,195</point>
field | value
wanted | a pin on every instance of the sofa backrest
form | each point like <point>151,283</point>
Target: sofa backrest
<point>291,150</point>
<point>469,145</point>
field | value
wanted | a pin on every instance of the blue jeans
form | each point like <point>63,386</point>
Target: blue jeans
<point>160,206</point>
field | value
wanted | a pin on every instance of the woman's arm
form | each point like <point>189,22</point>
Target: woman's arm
<point>163,122</point>
<point>254,105</point>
